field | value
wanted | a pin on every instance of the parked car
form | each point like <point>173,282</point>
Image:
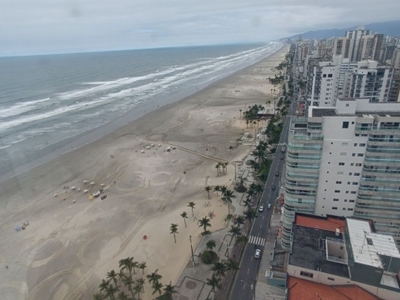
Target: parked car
<point>273,187</point>
<point>277,174</point>
<point>258,253</point>
<point>261,208</point>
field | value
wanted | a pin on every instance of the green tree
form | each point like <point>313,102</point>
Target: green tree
<point>174,230</point>
<point>210,245</point>
<point>112,276</point>
<point>204,222</point>
<point>217,189</point>
<point>153,277</point>
<point>157,287</point>
<point>214,282</point>
<point>127,264</point>
<point>241,239</point>
<point>184,215</point>
<point>192,205</point>
<point>219,268</point>
<point>98,296</point>
<point>227,197</point>
<point>239,220</point>
<point>208,189</point>
<point>235,230</point>
<point>232,265</point>
<point>169,290</point>
<point>122,296</point>
<point>142,266</point>
<point>250,214</point>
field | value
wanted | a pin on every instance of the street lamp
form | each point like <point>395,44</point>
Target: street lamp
<point>191,247</point>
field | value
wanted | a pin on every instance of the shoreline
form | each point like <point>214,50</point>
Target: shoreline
<point>86,138</point>
<point>73,241</point>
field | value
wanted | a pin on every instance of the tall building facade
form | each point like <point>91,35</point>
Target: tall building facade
<point>344,160</point>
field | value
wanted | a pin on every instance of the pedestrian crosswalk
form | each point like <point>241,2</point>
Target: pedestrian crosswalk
<point>256,240</point>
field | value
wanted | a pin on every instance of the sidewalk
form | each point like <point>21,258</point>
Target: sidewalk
<point>192,282</point>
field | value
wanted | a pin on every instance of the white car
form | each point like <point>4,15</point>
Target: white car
<point>269,206</point>
<point>261,208</point>
<point>258,253</point>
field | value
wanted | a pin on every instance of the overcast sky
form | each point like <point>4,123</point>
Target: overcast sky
<point>53,26</point>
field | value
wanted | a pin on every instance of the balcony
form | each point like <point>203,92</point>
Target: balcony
<point>306,137</point>
<point>295,157</point>
<point>301,176</point>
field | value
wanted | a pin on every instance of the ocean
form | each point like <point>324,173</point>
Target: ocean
<point>51,104</point>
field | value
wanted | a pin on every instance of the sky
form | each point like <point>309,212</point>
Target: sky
<point>60,26</point>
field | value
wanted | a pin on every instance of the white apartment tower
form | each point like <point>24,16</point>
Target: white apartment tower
<point>345,160</point>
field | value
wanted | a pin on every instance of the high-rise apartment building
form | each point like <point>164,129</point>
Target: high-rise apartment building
<point>345,160</point>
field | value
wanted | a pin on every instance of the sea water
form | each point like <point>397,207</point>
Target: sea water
<point>49,102</point>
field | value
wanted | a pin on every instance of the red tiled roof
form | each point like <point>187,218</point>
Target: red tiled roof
<point>328,223</point>
<point>301,289</point>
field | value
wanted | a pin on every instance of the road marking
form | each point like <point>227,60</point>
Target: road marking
<point>248,271</point>
<point>256,240</point>
<point>260,225</point>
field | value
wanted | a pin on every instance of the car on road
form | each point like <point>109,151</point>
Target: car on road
<point>269,206</point>
<point>261,208</point>
<point>282,157</point>
<point>277,174</point>
<point>258,253</point>
<point>273,187</point>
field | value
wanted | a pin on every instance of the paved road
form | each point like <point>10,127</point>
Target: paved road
<point>244,285</point>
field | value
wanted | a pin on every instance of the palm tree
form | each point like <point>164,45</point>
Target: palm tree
<point>127,264</point>
<point>128,281</point>
<point>227,197</point>
<point>248,202</point>
<point>241,239</point>
<point>98,296</point>
<point>204,222</point>
<point>122,296</point>
<point>142,266</point>
<point>135,265</point>
<point>140,282</point>
<point>153,277</point>
<point>225,165</point>
<point>184,216</point>
<point>214,282</point>
<point>217,166</point>
<point>235,230</point>
<point>112,276</point>
<point>174,230</point>
<point>240,113</point>
<point>138,290</point>
<point>232,265</point>
<point>250,214</point>
<point>239,220</point>
<point>230,149</point>
<point>223,189</point>
<point>103,285</point>
<point>219,268</point>
<point>217,189</point>
<point>110,291</point>
<point>192,205</point>
<point>157,286</point>
<point>169,290</point>
<point>211,245</point>
<point>208,189</point>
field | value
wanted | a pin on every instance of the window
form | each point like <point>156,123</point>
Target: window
<point>345,144</point>
<point>360,154</point>
<point>344,208</point>
<point>355,183</point>
<point>338,182</point>
<point>347,105</point>
<point>351,201</point>
<point>334,208</point>
<point>352,164</point>
<point>343,153</point>
<point>306,274</point>
<point>350,209</point>
<point>348,182</point>
<point>353,192</point>
<point>355,144</point>
<point>341,164</point>
<point>329,75</point>
<point>337,191</point>
<point>345,125</point>
<point>353,154</point>
<point>356,174</point>
<point>362,144</point>
<point>358,164</point>
<point>345,200</point>
<point>350,173</point>
<point>336,199</point>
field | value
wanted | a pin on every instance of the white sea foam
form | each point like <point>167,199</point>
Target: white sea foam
<point>21,108</point>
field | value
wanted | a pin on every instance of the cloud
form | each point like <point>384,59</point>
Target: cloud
<point>42,26</point>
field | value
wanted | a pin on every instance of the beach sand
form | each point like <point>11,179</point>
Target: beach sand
<point>71,242</point>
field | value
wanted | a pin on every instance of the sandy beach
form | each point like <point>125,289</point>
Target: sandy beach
<point>72,241</point>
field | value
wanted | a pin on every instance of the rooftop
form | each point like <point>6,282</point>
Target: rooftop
<point>309,250</point>
<point>301,289</point>
<point>323,112</point>
<point>329,223</point>
<point>368,246</point>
